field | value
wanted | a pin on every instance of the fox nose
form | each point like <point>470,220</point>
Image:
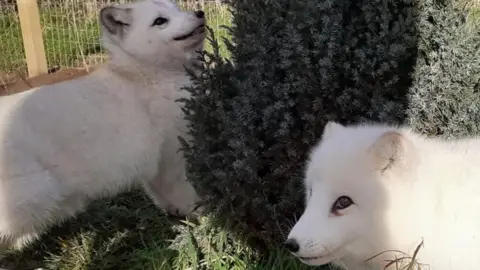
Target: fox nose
<point>200,14</point>
<point>292,245</point>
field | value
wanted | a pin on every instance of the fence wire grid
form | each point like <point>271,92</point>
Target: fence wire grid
<point>71,32</point>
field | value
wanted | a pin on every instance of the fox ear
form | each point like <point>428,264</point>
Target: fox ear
<point>390,150</point>
<point>115,20</point>
<point>330,128</point>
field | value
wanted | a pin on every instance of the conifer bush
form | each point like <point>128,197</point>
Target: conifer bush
<point>294,65</point>
<point>445,96</point>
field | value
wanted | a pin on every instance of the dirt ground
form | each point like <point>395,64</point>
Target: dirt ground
<point>19,84</point>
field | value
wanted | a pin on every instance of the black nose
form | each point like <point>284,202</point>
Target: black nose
<point>200,14</point>
<point>292,245</point>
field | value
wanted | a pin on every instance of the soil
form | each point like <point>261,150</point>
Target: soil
<point>18,84</point>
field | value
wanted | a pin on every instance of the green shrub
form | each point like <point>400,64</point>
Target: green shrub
<point>445,98</point>
<point>294,65</point>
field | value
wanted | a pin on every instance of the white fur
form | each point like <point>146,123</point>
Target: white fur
<point>405,187</point>
<point>65,144</point>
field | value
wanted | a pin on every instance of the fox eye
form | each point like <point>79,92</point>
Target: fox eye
<point>341,203</point>
<point>159,21</point>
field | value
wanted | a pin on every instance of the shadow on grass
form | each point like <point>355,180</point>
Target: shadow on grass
<point>109,235</point>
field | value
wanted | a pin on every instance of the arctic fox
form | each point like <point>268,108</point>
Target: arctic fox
<point>375,193</point>
<point>65,144</point>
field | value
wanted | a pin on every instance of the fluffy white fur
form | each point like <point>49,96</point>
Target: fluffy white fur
<point>63,145</point>
<point>405,189</point>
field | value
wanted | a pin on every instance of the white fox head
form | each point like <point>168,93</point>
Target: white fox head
<point>346,184</point>
<point>153,32</point>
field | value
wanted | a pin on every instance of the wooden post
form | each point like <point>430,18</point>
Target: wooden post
<point>32,37</point>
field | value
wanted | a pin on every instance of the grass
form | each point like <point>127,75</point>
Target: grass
<point>128,232</point>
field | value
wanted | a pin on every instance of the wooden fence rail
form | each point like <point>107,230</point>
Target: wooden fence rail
<point>32,37</point>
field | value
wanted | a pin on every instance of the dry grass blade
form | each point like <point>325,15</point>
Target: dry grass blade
<point>411,263</point>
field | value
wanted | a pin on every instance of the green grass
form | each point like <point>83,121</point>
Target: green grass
<point>128,232</point>
<point>12,55</point>
<point>71,37</point>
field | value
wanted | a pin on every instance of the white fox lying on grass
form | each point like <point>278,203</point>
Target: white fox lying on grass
<point>376,188</point>
<point>63,145</point>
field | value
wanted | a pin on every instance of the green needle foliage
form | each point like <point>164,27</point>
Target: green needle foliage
<point>445,99</point>
<point>294,65</point>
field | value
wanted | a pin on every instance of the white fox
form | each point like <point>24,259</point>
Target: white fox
<point>378,188</point>
<point>65,144</point>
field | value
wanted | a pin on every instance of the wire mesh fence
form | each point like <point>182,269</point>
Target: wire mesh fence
<point>71,31</point>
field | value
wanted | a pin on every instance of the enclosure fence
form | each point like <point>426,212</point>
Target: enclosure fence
<point>69,33</point>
